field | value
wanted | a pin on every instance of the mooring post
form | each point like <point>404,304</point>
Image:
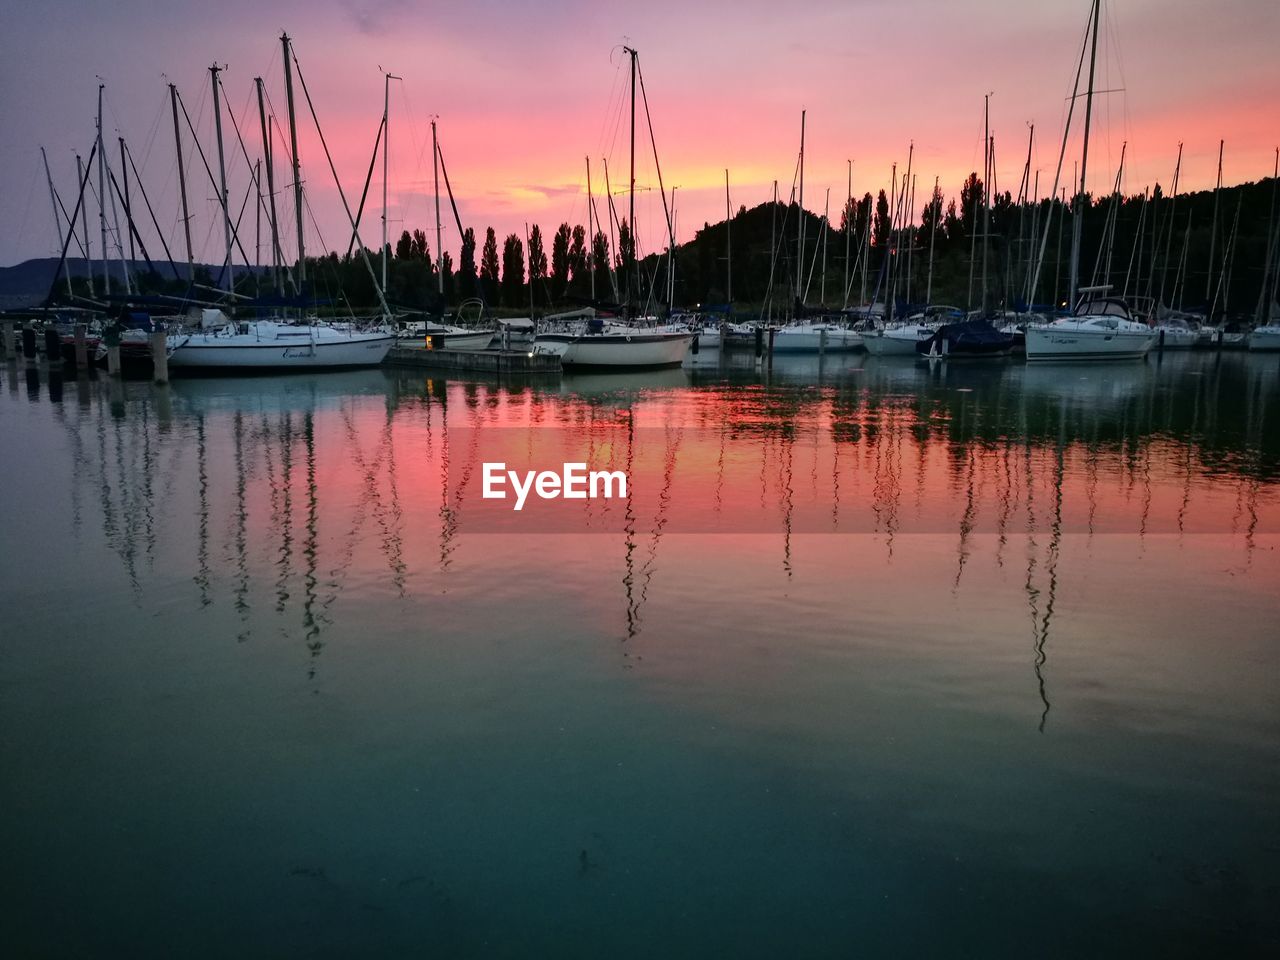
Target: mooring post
<point>693,346</point>
<point>29,343</point>
<point>82,346</point>
<point>771,333</point>
<point>160,355</point>
<point>52,346</point>
<point>111,337</point>
<point>759,344</point>
<point>822,342</point>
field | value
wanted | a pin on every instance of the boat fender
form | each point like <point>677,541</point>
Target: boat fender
<point>628,338</point>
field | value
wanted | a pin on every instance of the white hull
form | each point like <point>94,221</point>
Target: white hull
<point>638,350</point>
<point>279,346</point>
<point>1177,338</point>
<point>1069,341</point>
<point>617,349</point>
<point>1265,338</point>
<point>895,342</point>
<point>709,339</point>
<point>810,340</point>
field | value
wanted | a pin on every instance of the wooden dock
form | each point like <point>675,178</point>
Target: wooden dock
<point>495,362</point>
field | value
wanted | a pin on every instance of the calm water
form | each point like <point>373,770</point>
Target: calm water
<point>874,660</point>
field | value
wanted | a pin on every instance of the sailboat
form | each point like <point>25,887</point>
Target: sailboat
<point>595,342</point>
<point>974,337</point>
<point>1101,328</point>
<point>277,343</point>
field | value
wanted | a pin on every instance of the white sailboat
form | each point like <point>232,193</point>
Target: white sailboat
<point>805,337</point>
<point>1102,328</point>
<point>278,343</point>
<point>270,344</point>
<point>1266,337</point>
<point>594,343</point>
<point>899,339</point>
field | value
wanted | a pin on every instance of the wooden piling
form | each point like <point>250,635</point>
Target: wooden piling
<point>772,331</point>
<point>82,346</point>
<point>6,339</point>
<point>160,356</point>
<point>759,344</point>
<point>822,342</point>
<point>29,343</point>
<point>52,346</point>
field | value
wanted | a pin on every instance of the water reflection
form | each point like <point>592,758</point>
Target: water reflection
<point>285,494</point>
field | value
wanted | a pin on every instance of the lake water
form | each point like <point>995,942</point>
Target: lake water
<point>874,660</point>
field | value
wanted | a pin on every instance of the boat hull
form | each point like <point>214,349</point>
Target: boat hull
<point>215,352</point>
<point>616,349</point>
<point>628,350</point>
<point>1176,338</point>
<point>811,341</point>
<point>1046,343</point>
<point>891,345</point>
<point>1265,338</point>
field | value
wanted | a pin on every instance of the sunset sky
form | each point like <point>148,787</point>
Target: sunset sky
<point>525,91</point>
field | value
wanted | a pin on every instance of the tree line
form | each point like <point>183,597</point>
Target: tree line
<point>1194,250</point>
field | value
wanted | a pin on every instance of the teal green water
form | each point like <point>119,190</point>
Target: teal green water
<point>265,692</point>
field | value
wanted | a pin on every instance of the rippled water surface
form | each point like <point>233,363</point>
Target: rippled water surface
<point>874,659</point>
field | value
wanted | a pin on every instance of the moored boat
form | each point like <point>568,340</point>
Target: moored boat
<point>270,344</point>
<point>975,339</point>
<point>1100,329</point>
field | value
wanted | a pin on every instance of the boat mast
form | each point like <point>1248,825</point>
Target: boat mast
<point>115,220</point>
<point>102,198</point>
<point>728,241</point>
<point>1263,313</point>
<point>435,166</point>
<point>1213,226</point>
<point>773,252</point>
<point>386,159</point>
<point>631,192</point>
<point>848,218</point>
<point>293,145</point>
<point>826,229</point>
<point>222,178</point>
<point>591,229</point>
<point>128,208</point>
<point>800,226</point>
<point>1168,244</point>
<point>936,203</point>
<point>1078,223</point>
<point>613,239</point>
<point>58,223</point>
<point>182,182</point>
<point>84,226</point>
<point>988,163</point>
<point>271,188</point>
